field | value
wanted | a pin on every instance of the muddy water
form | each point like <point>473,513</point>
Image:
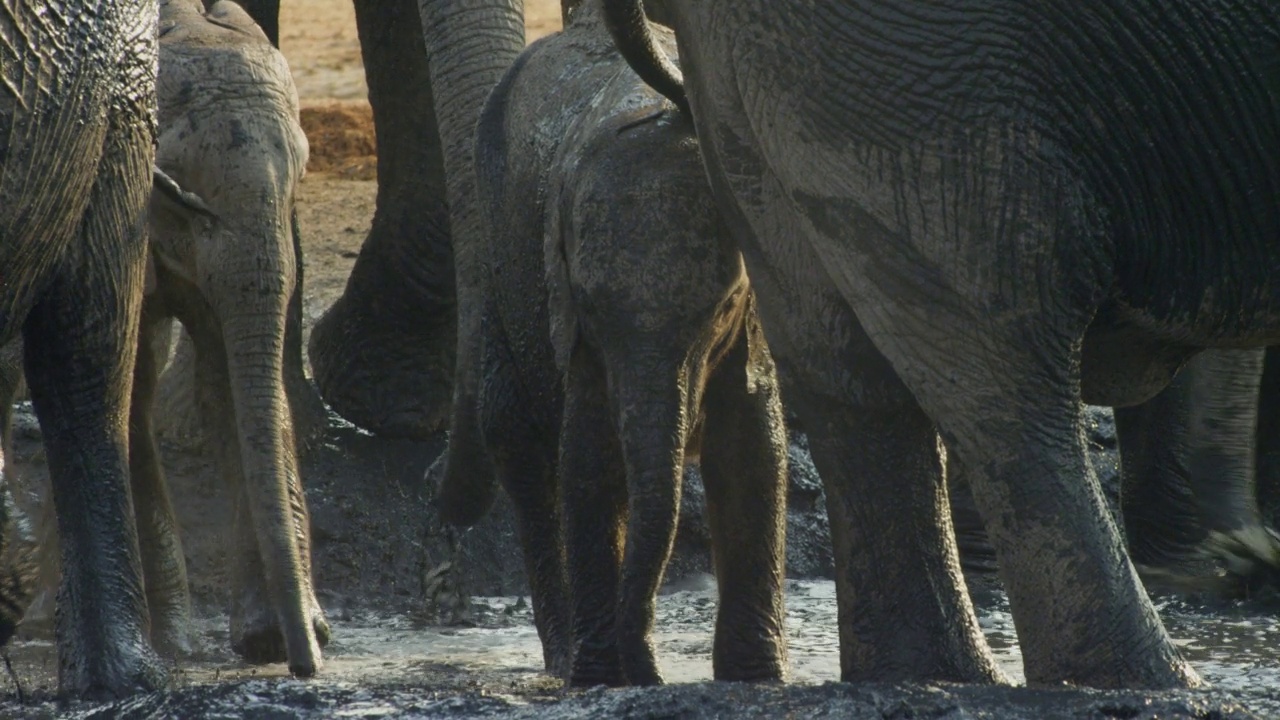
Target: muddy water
<point>375,657</point>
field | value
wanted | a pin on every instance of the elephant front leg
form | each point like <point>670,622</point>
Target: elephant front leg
<point>593,488</point>
<point>744,469</point>
<point>164,567</point>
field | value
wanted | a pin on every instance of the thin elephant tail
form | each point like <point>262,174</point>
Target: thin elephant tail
<point>634,39</point>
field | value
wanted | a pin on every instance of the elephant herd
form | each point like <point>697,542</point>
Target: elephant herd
<point>933,232</point>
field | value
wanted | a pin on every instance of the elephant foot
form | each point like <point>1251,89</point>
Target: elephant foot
<point>640,666</point>
<point>171,631</point>
<point>260,641</point>
<point>394,380</point>
<point>127,667</point>
<point>558,662</point>
<point>597,666</point>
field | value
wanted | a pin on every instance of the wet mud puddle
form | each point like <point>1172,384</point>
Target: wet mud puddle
<point>1235,648</point>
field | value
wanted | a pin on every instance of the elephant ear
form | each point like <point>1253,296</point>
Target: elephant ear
<point>167,196</point>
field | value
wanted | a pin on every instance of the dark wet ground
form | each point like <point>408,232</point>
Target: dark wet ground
<point>380,556</point>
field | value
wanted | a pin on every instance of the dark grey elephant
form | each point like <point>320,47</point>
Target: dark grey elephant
<point>619,341</point>
<point>77,107</point>
<point>1023,207</point>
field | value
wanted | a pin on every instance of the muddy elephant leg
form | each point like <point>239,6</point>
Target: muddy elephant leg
<point>256,634</point>
<point>744,469</point>
<point>523,453</point>
<point>1162,523</point>
<point>80,346</point>
<point>164,568</point>
<point>881,466</point>
<point>593,488</point>
<point>1082,615</point>
<point>18,546</point>
<point>1268,439</point>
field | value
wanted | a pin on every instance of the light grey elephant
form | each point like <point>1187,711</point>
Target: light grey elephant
<point>229,136</point>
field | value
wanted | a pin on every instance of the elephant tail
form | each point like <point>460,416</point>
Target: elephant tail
<point>634,38</point>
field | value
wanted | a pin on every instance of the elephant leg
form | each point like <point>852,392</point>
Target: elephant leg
<point>895,551</point>
<point>744,469</point>
<point>1223,425</point>
<point>164,568</point>
<point>523,451</point>
<point>594,491</point>
<point>1082,615</point>
<point>19,550</point>
<point>80,345</point>
<point>1161,521</point>
<point>1268,440</point>
<point>256,634</point>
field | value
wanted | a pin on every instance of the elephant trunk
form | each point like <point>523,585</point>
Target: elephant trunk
<point>653,432</point>
<point>471,43</point>
<point>253,332</point>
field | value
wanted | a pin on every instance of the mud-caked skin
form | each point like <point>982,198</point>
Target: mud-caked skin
<point>1023,207</point>
<point>77,106</point>
<point>620,341</point>
<point>225,266</point>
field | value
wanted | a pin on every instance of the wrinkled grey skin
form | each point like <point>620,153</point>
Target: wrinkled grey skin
<point>1023,207</point>
<point>620,341</point>
<point>77,107</point>
<point>230,137</point>
<point>1193,476</point>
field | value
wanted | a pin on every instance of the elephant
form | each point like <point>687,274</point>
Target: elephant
<point>1018,225</point>
<point>230,138</point>
<point>77,106</point>
<point>619,347</point>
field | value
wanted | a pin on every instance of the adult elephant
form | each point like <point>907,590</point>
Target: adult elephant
<point>77,106</point>
<point>1023,207</point>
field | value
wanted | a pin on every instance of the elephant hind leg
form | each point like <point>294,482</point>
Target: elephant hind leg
<point>80,345</point>
<point>522,448</point>
<point>744,468</point>
<point>903,608</point>
<point>164,568</point>
<point>593,486</point>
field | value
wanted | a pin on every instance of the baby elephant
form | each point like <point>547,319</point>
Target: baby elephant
<point>620,341</point>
